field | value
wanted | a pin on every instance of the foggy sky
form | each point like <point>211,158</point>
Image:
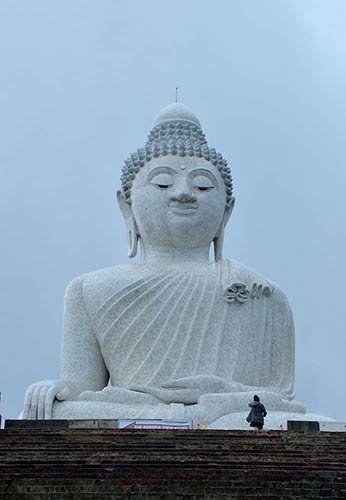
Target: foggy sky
<point>80,82</point>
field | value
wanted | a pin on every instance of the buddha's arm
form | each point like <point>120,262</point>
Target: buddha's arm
<point>81,359</point>
<point>82,366</point>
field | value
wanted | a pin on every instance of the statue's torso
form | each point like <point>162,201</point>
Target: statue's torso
<point>155,325</point>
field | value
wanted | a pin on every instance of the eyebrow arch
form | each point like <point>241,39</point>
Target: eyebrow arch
<point>207,173</point>
<point>161,170</point>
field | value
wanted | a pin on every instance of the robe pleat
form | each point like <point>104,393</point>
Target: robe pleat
<point>169,325</point>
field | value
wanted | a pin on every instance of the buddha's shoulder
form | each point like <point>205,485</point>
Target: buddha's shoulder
<point>243,274</point>
<point>104,281</point>
<point>239,270</point>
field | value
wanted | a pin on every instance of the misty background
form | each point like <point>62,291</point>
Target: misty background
<point>80,82</point>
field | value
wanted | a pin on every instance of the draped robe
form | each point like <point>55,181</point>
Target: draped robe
<point>152,325</point>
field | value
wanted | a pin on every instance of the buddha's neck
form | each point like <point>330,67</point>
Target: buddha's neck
<point>160,255</point>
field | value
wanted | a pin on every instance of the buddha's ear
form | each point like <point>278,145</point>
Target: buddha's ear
<point>132,231</point>
<point>218,240</point>
<point>228,212</point>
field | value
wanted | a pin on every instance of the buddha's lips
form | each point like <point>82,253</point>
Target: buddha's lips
<point>183,206</point>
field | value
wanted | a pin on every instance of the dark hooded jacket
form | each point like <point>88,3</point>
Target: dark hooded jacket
<point>257,413</point>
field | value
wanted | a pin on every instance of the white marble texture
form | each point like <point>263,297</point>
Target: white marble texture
<point>176,336</point>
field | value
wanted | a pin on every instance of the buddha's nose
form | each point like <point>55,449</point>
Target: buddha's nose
<point>184,197</point>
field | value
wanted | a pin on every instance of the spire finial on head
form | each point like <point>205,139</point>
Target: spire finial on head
<point>176,94</point>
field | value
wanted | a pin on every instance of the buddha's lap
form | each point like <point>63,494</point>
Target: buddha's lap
<point>209,408</point>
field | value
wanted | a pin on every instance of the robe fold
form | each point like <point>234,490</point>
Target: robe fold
<point>154,326</point>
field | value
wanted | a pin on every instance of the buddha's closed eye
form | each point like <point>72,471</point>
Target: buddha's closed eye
<point>202,183</point>
<point>162,181</point>
<point>203,188</point>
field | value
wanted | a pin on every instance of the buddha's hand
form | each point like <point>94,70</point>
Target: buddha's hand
<point>188,390</point>
<point>39,398</point>
<point>118,395</point>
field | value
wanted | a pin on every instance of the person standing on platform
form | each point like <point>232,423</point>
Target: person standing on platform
<point>257,414</point>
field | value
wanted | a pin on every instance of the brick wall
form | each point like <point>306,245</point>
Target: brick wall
<point>82,464</point>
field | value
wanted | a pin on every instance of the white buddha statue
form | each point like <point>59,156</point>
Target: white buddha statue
<point>176,336</point>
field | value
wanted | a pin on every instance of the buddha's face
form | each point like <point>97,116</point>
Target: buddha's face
<point>178,202</point>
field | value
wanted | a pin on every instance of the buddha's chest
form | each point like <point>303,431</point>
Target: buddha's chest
<point>162,323</point>
<point>155,302</point>
<point>168,323</point>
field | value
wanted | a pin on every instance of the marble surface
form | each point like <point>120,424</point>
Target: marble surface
<point>176,336</point>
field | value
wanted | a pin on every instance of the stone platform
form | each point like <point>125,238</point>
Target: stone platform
<point>82,464</point>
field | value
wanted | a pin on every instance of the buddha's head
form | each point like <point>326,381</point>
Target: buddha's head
<point>176,192</point>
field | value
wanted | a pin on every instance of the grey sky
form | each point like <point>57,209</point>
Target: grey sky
<point>80,82</point>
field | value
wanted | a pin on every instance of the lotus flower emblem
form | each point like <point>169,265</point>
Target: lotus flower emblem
<point>237,292</point>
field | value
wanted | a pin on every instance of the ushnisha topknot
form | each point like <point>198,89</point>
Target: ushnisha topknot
<point>176,131</point>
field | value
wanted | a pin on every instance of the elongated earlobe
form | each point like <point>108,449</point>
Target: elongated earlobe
<point>218,244</point>
<point>218,240</point>
<point>132,231</point>
<point>132,242</point>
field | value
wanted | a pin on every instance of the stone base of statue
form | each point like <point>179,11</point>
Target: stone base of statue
<point>236,420</point>
<point>275,420</point>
